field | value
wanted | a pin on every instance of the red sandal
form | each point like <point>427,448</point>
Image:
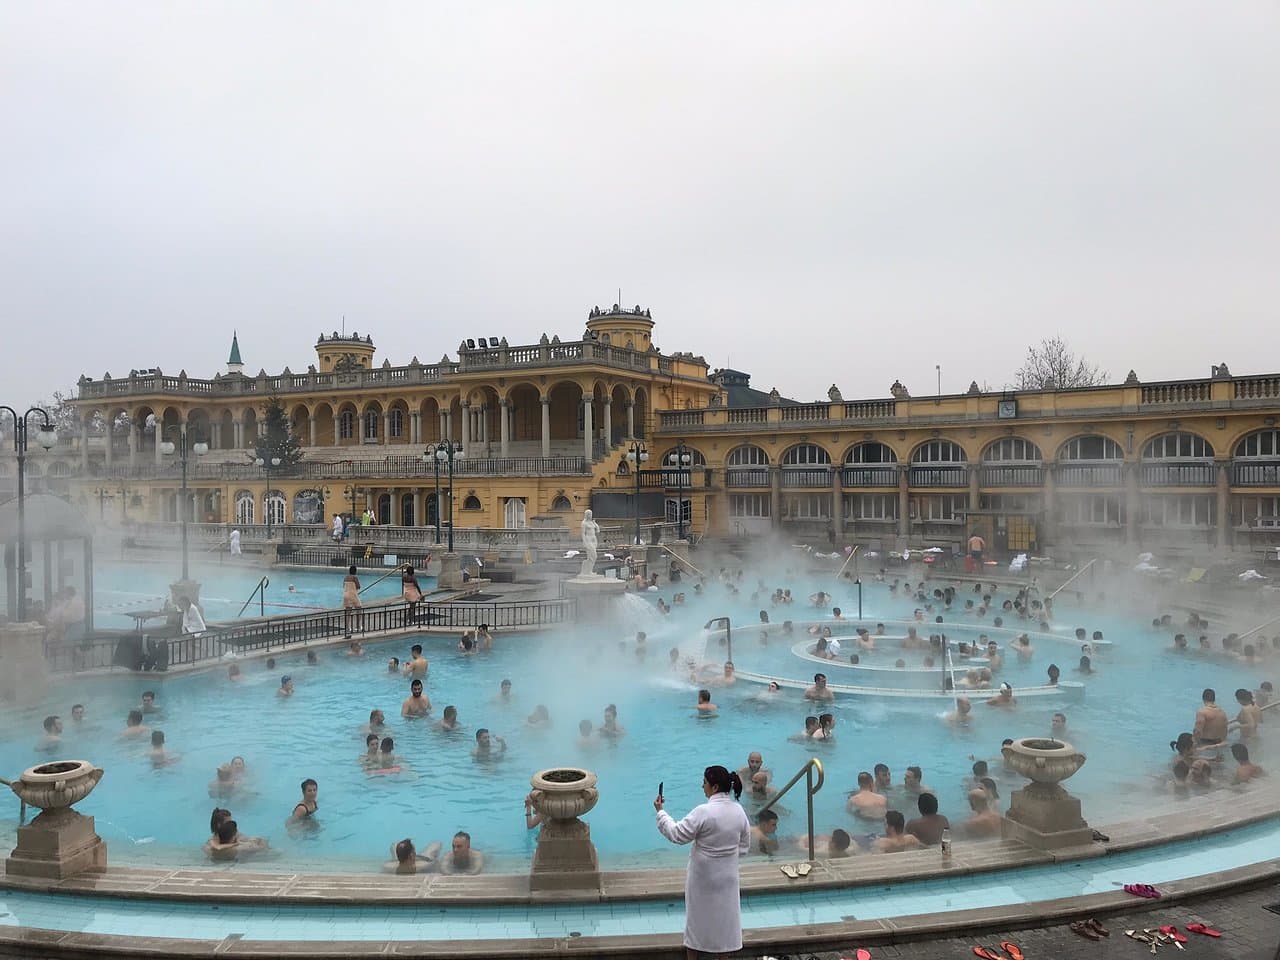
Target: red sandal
<point>1012,950</point>
<point>1172,931</point>
<point>986,953</point>
<point>1202,929</point>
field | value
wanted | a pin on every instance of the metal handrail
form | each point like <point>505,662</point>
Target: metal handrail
<point>810,789</point>
<point>398,568</point>
<point>681,559</point>
<point>1073,578</point>
<point>261,591</point>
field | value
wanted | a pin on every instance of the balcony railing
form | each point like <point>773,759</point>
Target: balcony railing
<point>1012,475</point>
<point>1199,473</point>
<point>806,412</point>
<point>806,476</point>
<point>746,477</point>
<point>1255,473</point>
<point>681,418</point>
<point>1190,391</point>
<point>388,467</point>
<point>1257,388</point>
<point>1089,474</point>
<point>946,475</point>
<point>865,476</point>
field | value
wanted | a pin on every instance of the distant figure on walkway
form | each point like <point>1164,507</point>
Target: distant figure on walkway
<point>235,543</point>
<point>192,620</point>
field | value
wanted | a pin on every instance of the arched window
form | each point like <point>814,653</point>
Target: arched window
<point>397,423</point>
<point>1177,446</point>
<point>1012,450</point>
<point>561,503</point>
<point>1091,448</point>
<point>471,503</point>
<point>308,507</point>
<point>747,456</point>
<point>805,455</point>
<point>371,424</point>
<point>346,425</point>
<point>747,466</point>
<point>870,453</point>
<point>939,451</point>
<point>696,459</point>
<point>384,509</point>
<point>1260,443</point>
<point>244,506</point>
<point>406,510</point>
<point>274,507</point>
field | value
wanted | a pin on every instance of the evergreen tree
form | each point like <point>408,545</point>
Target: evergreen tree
<point>279,441</point>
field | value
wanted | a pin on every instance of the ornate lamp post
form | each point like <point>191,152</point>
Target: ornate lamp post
<point>680,459</point>
<point>446,452</point>
<point>430,456</point>
<point>125,493</point>
<point>267,467</point>
<point>103,494</point>
<point>637,454</point>
<point>167,447</point>
<point>46,436</point>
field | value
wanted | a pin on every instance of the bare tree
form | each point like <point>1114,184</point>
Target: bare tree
<point>1050,365</point>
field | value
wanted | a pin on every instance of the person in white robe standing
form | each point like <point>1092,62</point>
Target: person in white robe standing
<point>720,833</point>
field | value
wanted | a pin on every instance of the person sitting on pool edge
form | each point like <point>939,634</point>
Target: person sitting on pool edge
<point>407,860</point>
<point>461,858</point>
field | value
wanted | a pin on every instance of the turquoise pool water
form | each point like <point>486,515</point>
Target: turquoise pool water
<point>119,589</point>
<point>102,915</point>
<point>1141,697</point>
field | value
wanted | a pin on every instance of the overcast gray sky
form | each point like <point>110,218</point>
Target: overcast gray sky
<point>846,192</point>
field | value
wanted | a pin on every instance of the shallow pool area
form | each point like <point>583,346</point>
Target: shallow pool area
<point>121,588</point>
<point>1140,697</point>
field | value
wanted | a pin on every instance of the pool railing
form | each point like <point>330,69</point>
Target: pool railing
<point>279,633</point>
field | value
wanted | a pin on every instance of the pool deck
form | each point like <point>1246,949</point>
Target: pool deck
<point>227,886</point>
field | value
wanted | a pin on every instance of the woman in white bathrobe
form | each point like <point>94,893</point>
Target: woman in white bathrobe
<point>720,833</point>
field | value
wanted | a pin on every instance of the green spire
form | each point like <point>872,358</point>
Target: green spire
<point>235,349</point>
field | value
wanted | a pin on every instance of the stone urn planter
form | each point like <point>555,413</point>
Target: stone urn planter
<point>1042,760</point>
<point>60,842</point>
<point>1043,814</point>
<point>565,857</point>
<point>56,785</point>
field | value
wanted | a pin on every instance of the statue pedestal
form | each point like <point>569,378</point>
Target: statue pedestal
<point>597,596</point>
<point>24,671</point>
<point>450,575</point>
<point>565,858</point>
<point>57,844</point>
<point>1046,817</point>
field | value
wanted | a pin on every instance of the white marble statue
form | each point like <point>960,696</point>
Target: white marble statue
<point>590,540</point>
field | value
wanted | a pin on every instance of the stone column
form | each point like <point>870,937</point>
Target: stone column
<point>837,499</point>
<point>608,422</point>
<point>448,425</point>
<point>337,428</point>
<point>133,444</point>
<point>418,516</point>
<point>360,426</point>
<point>444,426</point>
<point>386,426</point>
<point>110,435</point>
<point>587,427</point>
<point>215,435</point>
<point>84,446</point>
<point>1224,503</point>
<point>415,430</point>
<point>313,431</point>
<point>466,426</point>
<point>546,426</point>
<point>504,411</point>
<point>904,500</point>
<point>483,417</point>
<point>775,493</point>
<point>1133,503</point>
<point>159,438</point>
<point>631,419</point>
<point>974,471</point>
<point>1048,524</point>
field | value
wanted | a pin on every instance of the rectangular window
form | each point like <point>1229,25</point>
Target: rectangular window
<point>871,506</point>
<point>1095,509</point>
<point>749,505</point>
<point>1190,510</point>
<point>679,510</point>
<point>807,506</point>
<point>942,506</point>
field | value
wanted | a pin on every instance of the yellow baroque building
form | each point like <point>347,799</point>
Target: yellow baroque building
<point>546,429</point>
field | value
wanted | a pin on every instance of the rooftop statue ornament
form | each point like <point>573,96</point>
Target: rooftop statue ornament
<point>775,398</point>
<point>1220,372</point>
<point>834,394</point>
<point>1131,380</point>
<point>544,340</point>
<point>974,390</point>
<point>898,391</point>
<point>590,544</point>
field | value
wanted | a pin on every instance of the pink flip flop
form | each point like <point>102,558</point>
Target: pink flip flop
<point>1144,890</point>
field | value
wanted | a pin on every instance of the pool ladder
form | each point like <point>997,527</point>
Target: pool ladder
<point>811,786</point>
<point>260,591</point>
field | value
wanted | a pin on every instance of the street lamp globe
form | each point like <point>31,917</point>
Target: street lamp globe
<point>167,447</point>
<point>46,436</point>
<point>275,461</point>
<point>200,448</point>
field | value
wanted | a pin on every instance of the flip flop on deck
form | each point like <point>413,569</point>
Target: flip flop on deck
<point>1202,929</point>
<point>986,953</point>
<point>789,870</point>
<point>1012,950</point>
<point>1082,928</point>
<point>1144,890</point>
